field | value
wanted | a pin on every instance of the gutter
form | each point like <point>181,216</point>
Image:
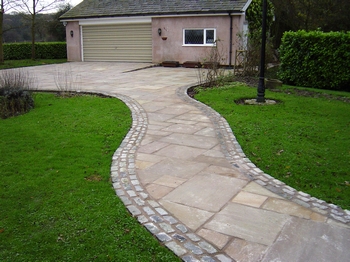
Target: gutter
<point>172,14</point>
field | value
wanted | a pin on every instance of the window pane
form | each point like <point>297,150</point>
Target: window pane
<point>194,37</point>
<point>209,37</point>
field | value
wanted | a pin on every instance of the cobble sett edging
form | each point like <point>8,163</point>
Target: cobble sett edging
<point>168,230</point>
<point>238,159</point>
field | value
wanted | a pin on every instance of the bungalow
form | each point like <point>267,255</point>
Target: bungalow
<point>153,30</point>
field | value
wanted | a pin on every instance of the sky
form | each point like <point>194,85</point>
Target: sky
<point>74,2</point>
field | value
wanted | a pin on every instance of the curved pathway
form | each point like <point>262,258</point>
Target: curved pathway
<point>182,174</point>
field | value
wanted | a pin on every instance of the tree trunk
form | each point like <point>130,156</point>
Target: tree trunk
<point>33,36</point>
<point>1,33</point>
<point>33,30</point>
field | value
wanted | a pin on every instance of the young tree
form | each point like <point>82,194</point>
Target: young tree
<point>33,8</point>
<point>8,5</point>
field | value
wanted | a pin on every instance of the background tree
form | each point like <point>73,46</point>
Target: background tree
<point>254,16</point>
<point>55,28</point>
<point>16,27</point>
<point>33,8</point>
<point>4,4</point>
<point>294,15</point>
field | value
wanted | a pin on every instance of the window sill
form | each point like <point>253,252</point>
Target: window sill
<point>208,45</point>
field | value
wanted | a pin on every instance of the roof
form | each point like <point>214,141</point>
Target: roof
<point>120,8</point>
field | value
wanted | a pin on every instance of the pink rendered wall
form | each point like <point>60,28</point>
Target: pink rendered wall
<point>73,43</point>
<point>173,49</point>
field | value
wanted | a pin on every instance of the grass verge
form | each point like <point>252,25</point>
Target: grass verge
<point>29,62</point>
<point>57,202</point>
<point>303,140</point>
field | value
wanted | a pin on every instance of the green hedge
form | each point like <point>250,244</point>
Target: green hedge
<point>49,50</point>
<point>316,59</point>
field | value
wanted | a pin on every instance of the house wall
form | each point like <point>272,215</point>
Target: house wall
<point>73,43</point>
<point>172,49</point>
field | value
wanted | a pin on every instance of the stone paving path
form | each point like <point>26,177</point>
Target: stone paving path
<point>182,174</point>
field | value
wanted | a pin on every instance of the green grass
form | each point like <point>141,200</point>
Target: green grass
<point>303,141</point>
<point>29,62</point>
<point>56,199</point>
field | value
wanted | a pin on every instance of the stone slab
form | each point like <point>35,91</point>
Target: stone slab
<point>149,157</point>
<point>218,239</point>
<point>182,128</point>
<point>208,192</point>
<point>171,167</point>
<point>182,152</point>
<point>225,171</point>
<point>306,240</point>
<point>143,164</point>
<point>248,223</point>
<point>207,131</point>
<point>249,199</point>
<point>245,251</point>
<point>194,117</point>
<point>152,147</point>
<point>159,117</point>
<point>257,189</point>
<point>191,217</point>
<point>158,191</point>
<point>190,140</point>
<point>287,207</point>
<point>170,181</point>
<point>178,109</point>
<point>214,153</point>
<point>218,161</point>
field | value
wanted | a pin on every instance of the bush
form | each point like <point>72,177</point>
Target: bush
<point>316,59</point>
<point>49,50</point>
<point>15,97</point>
<point>212,73</point>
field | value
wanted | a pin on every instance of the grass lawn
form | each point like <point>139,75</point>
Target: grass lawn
<point>56,198</point>
<point>29,62</point>
<point>303,141</point>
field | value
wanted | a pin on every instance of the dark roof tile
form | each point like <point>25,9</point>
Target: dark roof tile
<point>115,8</point>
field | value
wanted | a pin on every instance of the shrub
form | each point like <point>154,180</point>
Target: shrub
<point>248,61</point>
<point>66,82</point>
<point>15,97</point>
<point>212,74</point>
<point>316,59</point>
<point>49,50</point>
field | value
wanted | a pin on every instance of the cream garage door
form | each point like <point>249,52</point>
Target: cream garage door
<point>121,42</point>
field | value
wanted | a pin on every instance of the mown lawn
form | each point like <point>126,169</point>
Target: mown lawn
<point>29,62</point>
<point>303,141</point>
<point>56,198</point>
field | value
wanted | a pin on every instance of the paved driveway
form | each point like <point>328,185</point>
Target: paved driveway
<point>187,180</point>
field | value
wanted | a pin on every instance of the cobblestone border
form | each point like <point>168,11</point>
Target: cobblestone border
<point>168,230</point>
<point>238,159</point>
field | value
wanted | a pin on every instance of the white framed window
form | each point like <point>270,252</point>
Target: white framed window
<point>199,37</point>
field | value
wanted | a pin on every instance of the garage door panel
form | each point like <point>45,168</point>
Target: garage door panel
<point>132,42</point>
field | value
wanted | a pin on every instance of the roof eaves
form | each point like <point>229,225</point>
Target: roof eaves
<point>245,7</point>
<point>153,14</point>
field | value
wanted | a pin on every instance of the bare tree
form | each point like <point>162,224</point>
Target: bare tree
<point>34,7</point>
<point>3,4</point>
<point>1,32</point>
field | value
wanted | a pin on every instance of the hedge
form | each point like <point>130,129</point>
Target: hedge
<point>316,59</point>
<point>47,50</point>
